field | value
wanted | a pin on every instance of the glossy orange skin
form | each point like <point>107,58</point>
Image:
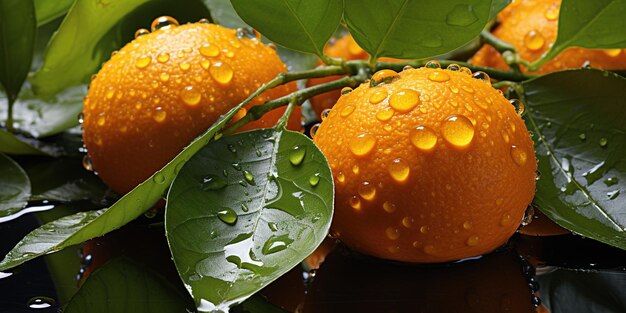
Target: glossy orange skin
<point>455,202</point>
<point>541,17</point>
<point>136,118</point>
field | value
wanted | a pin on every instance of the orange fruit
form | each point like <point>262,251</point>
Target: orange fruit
<point>344,48</point>
<point>531,27</point>
<point>433,166</point>
<point>165,88</point>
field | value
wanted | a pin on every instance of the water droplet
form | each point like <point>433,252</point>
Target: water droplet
<point>429,249</point>
<point>222,73</point>
<point>213,182</point>
<point>346,90</point>
<point>314,129</point>
<point>472,240</point>
<point>141,32</point>
<point>341,177</point>
<point>399,170</point>
<point>552,14</point>
<point>276,243</point>
<point>424,229</point>
<point>482,76</point>
<point>296,155</point>
<point>506,220</point>
<point>101,120</point>
<point>384,115</point>
<point>385,76</point>
<point>209,50</point>
<point>389,207</point>
<point>249,177</point>
<point>367,191</point>
<point>314,180</point>
<point>613,194</point>
<point>518,105</point>
<point>231,148</point>
<point>245,32</point>
<point>159,178</point>
<point>378,96</point>
<point>612,52</point>
<point>324,114</point>
<point>439,76</point>
<point>408,222</point>
<point>87,164</point>
<point>453,67</point>
<point>603,142</point>
<point>159,115</point>
<point>582,136</point>
<point>392,233</point>
<point>163,57</point>
<point>529,215</point>
<point>143,61</point>
<point>228,216</point>
<point>346,111</point>
<point>404,100</point>
<point>534,40</point>
<point>355,203</point>
<point>407,67</point>
<point>461,15</point>
<point>355,169</point>
<point>184,66</point>
<point>458,131</point>
<point>611,181</point>
<point>164,22</point>
<point>432,64</point>
<point>519,155</point>
<point>423,138</point>
<point>244,207</point>
<point>41,302</point>
<point>363,144</point>
<point>191,96</point>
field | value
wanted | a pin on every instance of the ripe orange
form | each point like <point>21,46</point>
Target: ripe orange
<point>165,88</point>
<point>344,48</point>
<point>531,27</point>
<point>431,167</point>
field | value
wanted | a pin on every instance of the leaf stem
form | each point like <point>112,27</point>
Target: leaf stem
<point>9,122</point>
<point>284,119</point>
<point>494,73</point>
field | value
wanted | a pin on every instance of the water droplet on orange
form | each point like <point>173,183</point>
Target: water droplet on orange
<point>552,14</point>
<point>355,203</point>
<point>612,52</point>
<point>429,249</point>
<point>484,77</point>
<point>399,170</point>
<point>424,229</point>
<point>191,95</point>
<point>209,50</point>
<point>506,220</point>
<point>101,121</point>
<point>519,155</point>
<point>432,64</point>
<point>383,77</point>
<point>378,96</point>
<point>141,32</point>
<point>164,76</point>
<point>164,22</point>
<point>534,40</point>
<point>222,73</point>
<point>465,70</point>
<point>467,225</point>
<point>367,191</point>
<point>404,100</point>
<point>363,144</point>
<point>355,169</point>
<point>345,90</point>
<point>184,66</point>
<point>439,76</point>
<point>505,136</point>
<point>423,138</point>
<point>458,131</point>
<point>159,115</point>
<point>408,222</point>
<point>454,89</point>
<point>472,240</point>
<point>346,111</point>
<point>341,177</point>
<point>205,64</point>
<point>392,233</point>
<point>384,115</point>
<point>143,61</point>
<point>389,207</point>
<point>110,93</point>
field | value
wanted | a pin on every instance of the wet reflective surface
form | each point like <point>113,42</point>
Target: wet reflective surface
<point>564,273</point>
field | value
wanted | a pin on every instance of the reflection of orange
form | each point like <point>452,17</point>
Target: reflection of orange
<point>541,225</point>
<point>494,283</point>
<point>531,27</point>
<point>344,48</point>
<point>432,166</point>
<point>165,88</point>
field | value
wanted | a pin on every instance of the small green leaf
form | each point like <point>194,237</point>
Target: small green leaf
<point>91,30</point>
<point>589,24</point>
<point>48,10</point>
<point>18,29</point>
<point>577,118</point>
<point>122,285</point>
<point>41,118</point>
<point>417,29</point>
<point>14,186</point>
<point>230,237</point>
<point>303,25</point>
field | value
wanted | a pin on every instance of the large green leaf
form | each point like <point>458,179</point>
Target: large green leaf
<point>48,10</point>
<point>93,29</point>
<point>245,210</point>
<point>42,118</point>
<point>12,144</point>
<point>410,29</point>
<point>589,24</point>
<point>14,186</point>
<point>303,25</point>
<point>18,29</point>
<point>121,285</point>
<point>577,117</point>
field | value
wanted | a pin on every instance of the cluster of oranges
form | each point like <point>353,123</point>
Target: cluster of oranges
<point>430,164</point>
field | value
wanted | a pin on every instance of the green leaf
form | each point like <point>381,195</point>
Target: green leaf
<point>122,285</point>
<point>11,144</point>
<point>14,186</point>
<point>41,118</point>
<point>408,29</point>
<point>245,210</point>
<point>589,24</point>
<point>577,118</point>
<point>48,10</point>
<point>64,144</point>
<point>303,25</point>
<point>18,29</point>
<point>92,29</point>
